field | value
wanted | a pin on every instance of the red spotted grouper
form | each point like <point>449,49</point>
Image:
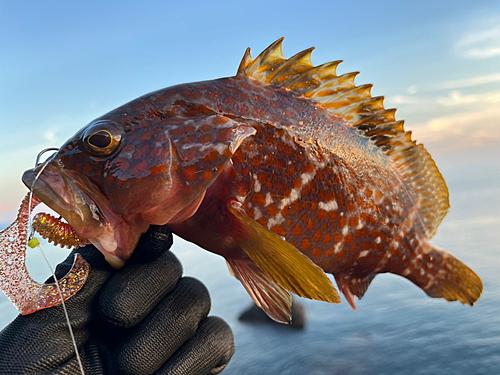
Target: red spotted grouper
<point>284,169</point>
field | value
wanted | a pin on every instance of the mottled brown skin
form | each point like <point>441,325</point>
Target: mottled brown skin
<point>298,170</point>
<point>374,228</point>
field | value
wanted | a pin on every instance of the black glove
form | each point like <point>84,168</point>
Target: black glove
<point>142,319</point>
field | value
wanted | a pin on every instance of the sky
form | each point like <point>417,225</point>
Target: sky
<point>65,63</point>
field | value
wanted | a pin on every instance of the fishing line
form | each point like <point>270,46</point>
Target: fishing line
<point>31,231</point>
<point>65,311</point>
<point>37,244</point>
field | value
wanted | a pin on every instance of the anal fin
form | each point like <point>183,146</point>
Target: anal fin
<point>351,286</point>
<point>270,297</point>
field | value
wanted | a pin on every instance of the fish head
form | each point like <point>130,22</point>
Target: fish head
<point>134,167</point>
<point>103,179</point>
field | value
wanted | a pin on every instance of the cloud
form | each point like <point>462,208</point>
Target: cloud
<point>412,90</point>
<point>460,132</point>
<point>457,98</point>
<point>404,99</point>
<point>447,85</point>
<point>467,82</point>
<point>50,136</point>
<point>482,53</point>
<point>480,44</point>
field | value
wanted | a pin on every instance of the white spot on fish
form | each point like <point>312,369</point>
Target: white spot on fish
<point>278,219</point>
<point>257,213</point>
<point>377,240</point>
<point>256,185</point>
<point>306,177</point>
<point>345,230</point>
<point>328,206</point>
<point>363,253</point>
<point>269,199</point>
<point>338,247</point>
<point>294,195</point>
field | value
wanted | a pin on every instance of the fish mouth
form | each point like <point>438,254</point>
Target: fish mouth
<point>81,203</point>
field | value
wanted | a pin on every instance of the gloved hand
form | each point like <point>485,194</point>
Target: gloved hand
<point>142,319</point>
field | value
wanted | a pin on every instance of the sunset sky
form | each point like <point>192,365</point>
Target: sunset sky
<point>64,64</point>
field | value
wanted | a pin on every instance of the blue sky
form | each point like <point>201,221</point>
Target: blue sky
<point>65,63</point>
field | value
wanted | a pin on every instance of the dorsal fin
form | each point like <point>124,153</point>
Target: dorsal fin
<point>342,97</point>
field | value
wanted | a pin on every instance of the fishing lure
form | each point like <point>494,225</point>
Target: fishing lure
<point>57,232</point>
<point>26,294</point>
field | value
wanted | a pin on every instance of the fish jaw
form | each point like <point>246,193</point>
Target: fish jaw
<point>80,202</point>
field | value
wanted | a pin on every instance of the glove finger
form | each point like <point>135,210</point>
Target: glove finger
<point>136,289</point>
<point>152,244</point>
<point>80,304</point>
<point>174,320</point>
<point>207,352</point>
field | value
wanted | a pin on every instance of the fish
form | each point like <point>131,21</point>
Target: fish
<point>287,170</point>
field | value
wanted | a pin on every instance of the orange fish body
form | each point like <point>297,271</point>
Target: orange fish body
<point>283,156</point>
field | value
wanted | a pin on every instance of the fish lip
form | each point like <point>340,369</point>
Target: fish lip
<point>79,201</point>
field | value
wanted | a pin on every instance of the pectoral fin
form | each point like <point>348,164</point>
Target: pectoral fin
<point>279,260</point>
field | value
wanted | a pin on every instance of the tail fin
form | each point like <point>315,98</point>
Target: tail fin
<point>441,275</point>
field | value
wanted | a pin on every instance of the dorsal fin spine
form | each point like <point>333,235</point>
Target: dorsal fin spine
<point>341,97</point>
<point>268,58</point>
<point>347,96</point>
<point>363,109</point>
<point>334,85</point>
<point>313,78</point>
<point>292,67</point>
<point>247,59</point>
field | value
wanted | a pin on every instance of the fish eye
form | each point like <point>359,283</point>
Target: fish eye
<point>102,138</point>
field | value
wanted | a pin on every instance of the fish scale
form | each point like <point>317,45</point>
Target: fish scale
<point>337,233</point>
<point>287,170</point>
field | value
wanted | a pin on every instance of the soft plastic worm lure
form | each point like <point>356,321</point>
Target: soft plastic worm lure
<point>25,293</point>
<point>58,232</point>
